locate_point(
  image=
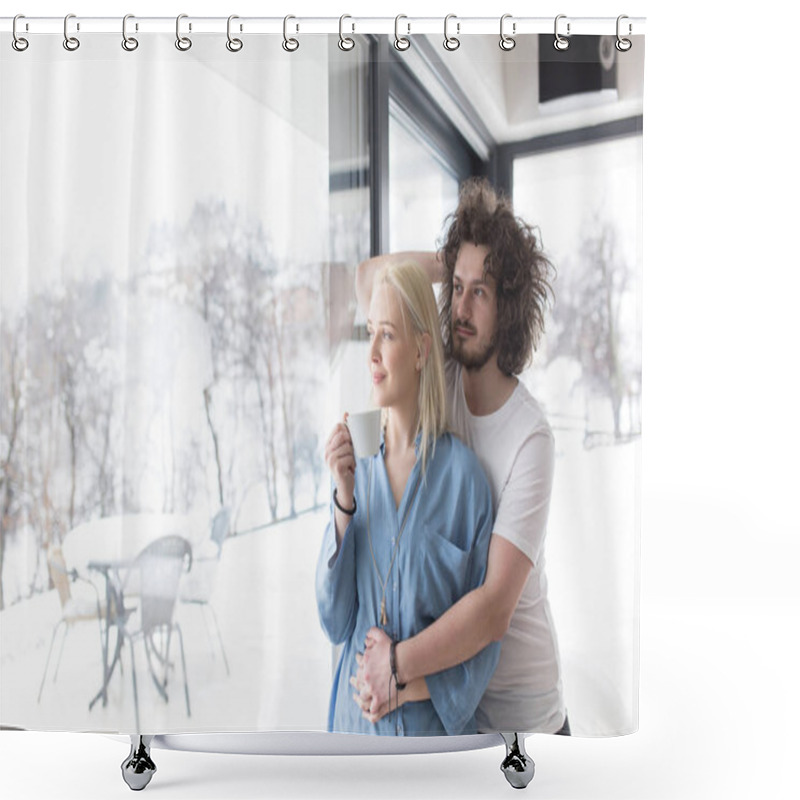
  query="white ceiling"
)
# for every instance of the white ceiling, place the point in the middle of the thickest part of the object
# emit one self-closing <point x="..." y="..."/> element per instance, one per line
<point x="503" y="88"/>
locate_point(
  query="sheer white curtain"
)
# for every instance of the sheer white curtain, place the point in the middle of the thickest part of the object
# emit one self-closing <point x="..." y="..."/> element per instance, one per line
<point x="164" y="265"/>
<point x="595" y="409"/>
<point x="180" y="232"/>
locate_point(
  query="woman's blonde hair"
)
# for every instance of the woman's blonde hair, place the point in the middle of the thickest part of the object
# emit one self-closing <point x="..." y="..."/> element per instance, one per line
<point x="418" y="305"/>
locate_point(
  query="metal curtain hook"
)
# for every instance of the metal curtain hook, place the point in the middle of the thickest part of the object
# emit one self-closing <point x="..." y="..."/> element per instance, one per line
<point x="182" y="42"/>
<point x="507" y="42"/>
<point x="18" y="42"/>
<point x="289" y="44"/>
<point x="623" y="45"/>
<point x="129" y="43"/>
<point x="345" y="42"/>
<point x="401" y="42"/>
<point x="451" y="42"/>
<point x="234" y="45"/>
<point x="560" y="43"/>
<point x="70" y="42"/>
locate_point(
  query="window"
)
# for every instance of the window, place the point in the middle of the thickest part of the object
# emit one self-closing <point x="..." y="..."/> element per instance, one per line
<point x="423" y="189"/>
<point x="593" y="340"/>
<point x="428" y="156"/>
<point x="349" y="159"/>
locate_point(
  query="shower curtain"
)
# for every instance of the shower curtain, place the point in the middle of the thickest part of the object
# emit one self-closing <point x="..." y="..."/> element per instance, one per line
<point x="181" y="230"/>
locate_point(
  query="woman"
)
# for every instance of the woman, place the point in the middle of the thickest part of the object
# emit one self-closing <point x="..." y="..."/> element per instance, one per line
<point x="410" y="526"/>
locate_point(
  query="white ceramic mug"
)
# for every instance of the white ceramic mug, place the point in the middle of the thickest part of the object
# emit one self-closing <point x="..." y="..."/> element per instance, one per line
<point x="365" y="431"/>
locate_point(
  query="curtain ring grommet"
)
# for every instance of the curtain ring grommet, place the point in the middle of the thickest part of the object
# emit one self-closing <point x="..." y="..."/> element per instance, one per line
<point x="451" y="43"/>
<point x="507" y="42"/>
<point x="129" y="43"/>
<point x="71" y="43"/>
<point x="289" y="44"/>
<point x="623" y="45"/>
<point x="19" y="43"/>
<point x="560" y="43"/>
<point x="401" y="43"/>
<point x="345" y="42"/>
<point x="183" y="43"/>
<point x="234" y="45"/>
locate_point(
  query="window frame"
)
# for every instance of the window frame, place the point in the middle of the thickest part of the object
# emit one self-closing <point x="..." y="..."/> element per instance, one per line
<point x="391" y="81"/>
<point x="504" y="155"/>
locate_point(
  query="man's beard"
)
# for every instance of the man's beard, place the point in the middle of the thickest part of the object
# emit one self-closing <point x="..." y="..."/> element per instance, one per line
<point x="471" y="361"/>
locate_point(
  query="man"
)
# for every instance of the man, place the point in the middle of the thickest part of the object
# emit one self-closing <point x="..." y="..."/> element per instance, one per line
<point x="494" y="292"/>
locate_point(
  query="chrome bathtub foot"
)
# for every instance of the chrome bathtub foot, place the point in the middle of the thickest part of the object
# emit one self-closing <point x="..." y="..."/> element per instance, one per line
<point x="517" y="766"/>
<point x="138" y="768"/>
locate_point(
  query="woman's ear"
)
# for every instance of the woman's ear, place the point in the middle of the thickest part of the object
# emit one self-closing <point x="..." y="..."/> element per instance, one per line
<point x="423" y="349"/>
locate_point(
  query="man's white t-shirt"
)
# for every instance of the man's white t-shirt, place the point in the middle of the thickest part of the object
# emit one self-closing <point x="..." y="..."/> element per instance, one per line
<point x="515" y="447"/>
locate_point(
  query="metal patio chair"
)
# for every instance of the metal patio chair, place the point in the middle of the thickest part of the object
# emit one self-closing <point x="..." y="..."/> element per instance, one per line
<point x="75" y="608"/>
<point x="155" y="576"/>
<point x="197" y="587"/>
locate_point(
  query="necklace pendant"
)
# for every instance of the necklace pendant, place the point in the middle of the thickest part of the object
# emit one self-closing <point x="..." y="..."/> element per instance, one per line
<point x="384" y="618"/>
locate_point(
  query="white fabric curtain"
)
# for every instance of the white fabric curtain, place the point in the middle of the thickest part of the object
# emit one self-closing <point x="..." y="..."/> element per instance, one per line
<point x="180" y="232"/>
<point x="164" y="259"/>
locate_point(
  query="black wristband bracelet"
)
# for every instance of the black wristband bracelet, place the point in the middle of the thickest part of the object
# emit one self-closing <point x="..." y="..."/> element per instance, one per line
<point x="393" y="666"/>
<point x="348" y="511"/>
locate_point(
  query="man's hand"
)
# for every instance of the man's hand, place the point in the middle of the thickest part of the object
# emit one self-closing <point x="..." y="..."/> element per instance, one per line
<point x="374" y="670"/>
<point x="415" y="691"/>
<point x="363" y="698"/>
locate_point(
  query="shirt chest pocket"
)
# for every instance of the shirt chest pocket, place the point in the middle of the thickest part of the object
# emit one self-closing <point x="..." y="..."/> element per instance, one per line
<point x="444" y="575"/>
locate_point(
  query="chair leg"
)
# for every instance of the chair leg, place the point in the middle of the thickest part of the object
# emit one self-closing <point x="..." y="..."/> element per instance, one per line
<point x="100" y="619"/>
<point x="203" y="607"/>
<point x="138" y="768"/>
<point x="219" y="637"/>
<point x="183" y="661"/>
<point x="166" y="662"/>
<point x="49" y="653"/>
<point x="135" y="691"/>
<point x="121" y="665"/>
<point x="151" y="650"/>
<point x="61" y="651"/>
<point x="163" y="659"/>
<point x="518" y="766"/>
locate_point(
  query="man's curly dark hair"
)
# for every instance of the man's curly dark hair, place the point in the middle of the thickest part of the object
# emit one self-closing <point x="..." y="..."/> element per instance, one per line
<point x="517" y="263"/>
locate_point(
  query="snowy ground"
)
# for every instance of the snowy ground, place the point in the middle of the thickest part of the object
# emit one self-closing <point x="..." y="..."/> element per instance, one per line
<point x="270" y="632"/>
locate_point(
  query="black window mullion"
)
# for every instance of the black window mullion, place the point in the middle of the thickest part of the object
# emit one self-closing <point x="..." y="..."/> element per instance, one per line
<point x="441" y="134"/>
<point x="379" y="146"/>
<point x="503" y="158"/>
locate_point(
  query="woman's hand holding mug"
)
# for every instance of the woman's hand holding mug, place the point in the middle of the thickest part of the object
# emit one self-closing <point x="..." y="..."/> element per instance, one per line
<point x="341" y="460"/>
